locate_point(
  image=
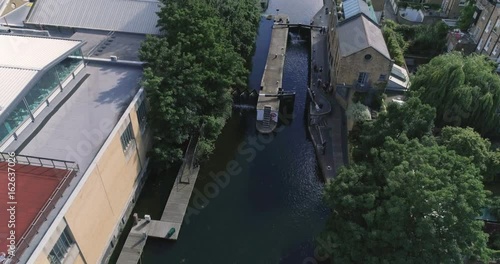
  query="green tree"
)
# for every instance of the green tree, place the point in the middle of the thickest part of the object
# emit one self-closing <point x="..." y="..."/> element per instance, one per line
<point x="468" y="143"/>
<point x="242" y="17"/>
<point x="189" y="74"/>
<point x="425" y="39"/>
<point x="465" y="91"/>
<point x="358" y="112"/>
<point x="415" y="202"/>
<point x="466" y="16"/>
<point x="412" y="119"/>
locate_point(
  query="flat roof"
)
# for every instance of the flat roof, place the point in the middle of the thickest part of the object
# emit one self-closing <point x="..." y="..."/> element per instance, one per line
<point x="78" y="124"/>
<point x="101" y="44"/>
<point x="78" y="129"/>
<point x="23" y="57"/>
<point x="132" y="16"/>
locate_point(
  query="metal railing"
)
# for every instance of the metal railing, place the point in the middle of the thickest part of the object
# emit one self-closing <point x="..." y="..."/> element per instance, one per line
<point x="42" y="162"/>
<point x="41" y="216"/>
<point x="189" y="159"/>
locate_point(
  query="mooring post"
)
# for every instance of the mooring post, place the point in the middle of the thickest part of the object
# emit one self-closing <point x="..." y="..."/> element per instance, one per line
<point x="136" y="219"/>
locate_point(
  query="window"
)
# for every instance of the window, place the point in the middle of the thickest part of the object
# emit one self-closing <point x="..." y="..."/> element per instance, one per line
<point x="142" y="115"/>
<point x="488" y="27"/>
<point x="127" y="137"/>
<point x="382" y="77"/>
<point x="487" y="46"/>
<point x="480" y="45"/>
<point x="495" y="50"/>
<point x="497" y="24"/>
<point x="362" y="78"/>
<point x="61" y="248"/>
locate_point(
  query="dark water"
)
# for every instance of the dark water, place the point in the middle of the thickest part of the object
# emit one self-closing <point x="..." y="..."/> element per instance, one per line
<point x="271" y="209"/>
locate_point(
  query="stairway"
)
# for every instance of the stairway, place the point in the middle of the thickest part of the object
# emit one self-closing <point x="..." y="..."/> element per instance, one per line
<point x="267" y="117"/>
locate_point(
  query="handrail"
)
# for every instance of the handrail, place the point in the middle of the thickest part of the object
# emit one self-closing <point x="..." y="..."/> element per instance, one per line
<point x="28" y="233"/>
<point x="42" y="162"/>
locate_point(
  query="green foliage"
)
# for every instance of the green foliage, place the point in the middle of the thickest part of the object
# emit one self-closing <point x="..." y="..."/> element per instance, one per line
<point x="466" y="16"/>
<point x="358" y="112"/>
<point x="191" y="70"/>
<point x="395" y="42"/>
<point x="464" y="90"/>
<point x="425" y="40"/>
<point x="468" y="143"/>
<point x="412" y="119"/>
<point x="411" y="202"/>
<point x="242" y="18"/>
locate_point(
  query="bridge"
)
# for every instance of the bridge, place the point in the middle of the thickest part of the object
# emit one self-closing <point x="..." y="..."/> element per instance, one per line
<point x="268" y="107"/>
<point x="288" y="25"/>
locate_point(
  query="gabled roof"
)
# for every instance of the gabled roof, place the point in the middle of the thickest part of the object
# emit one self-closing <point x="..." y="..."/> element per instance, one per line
<point x="130" y="16"/>
<point x="359" y="33"/>
<point x="353" y="7"/>
<point x="22" y="58"/>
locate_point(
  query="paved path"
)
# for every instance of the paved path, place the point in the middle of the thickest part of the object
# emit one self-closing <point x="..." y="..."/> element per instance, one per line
<point x="327" y="129"/>
<point x="273" y="74"/>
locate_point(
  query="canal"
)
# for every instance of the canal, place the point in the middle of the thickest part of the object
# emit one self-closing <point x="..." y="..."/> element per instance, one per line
<point x="271" y="210"/>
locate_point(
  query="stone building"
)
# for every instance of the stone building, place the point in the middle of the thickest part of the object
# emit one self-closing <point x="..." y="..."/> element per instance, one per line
<point x="358" y="55"/>
<point x="485" y="30"/>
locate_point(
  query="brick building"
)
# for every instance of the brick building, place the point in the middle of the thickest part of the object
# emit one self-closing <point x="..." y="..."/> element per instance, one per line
<point x="358" y="55"/>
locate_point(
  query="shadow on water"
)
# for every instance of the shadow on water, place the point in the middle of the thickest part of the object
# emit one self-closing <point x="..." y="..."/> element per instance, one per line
<point x="271" y="210"/>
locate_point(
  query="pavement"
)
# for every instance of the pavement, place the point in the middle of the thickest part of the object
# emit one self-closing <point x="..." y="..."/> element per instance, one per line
<point x="327" y="125"/>
<point x="389" y="12"/>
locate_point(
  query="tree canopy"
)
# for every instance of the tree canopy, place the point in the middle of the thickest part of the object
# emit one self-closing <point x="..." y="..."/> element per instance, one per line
<point x="468" y="143"/>
<point x="425" y="40"/>
<point x="416" y="202"/>
<point x="466" y="16"/>
<point x="410" y="196"/>
<point x="358" y="112"/>
<point x="412" y="119"/>
<point x="465" y="91"/>
<point x="191" y="69"/>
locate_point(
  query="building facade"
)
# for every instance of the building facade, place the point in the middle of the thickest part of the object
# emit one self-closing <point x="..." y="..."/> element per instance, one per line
<point x="358" y="56"/>
<point x="59" y="107"/>
<point x="485" y="30"/>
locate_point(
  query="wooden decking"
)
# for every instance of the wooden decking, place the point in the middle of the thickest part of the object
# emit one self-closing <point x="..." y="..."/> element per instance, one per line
<point x="177" y="203"/>
<point x="273" y="73"/>
<point x="173" y="214"/>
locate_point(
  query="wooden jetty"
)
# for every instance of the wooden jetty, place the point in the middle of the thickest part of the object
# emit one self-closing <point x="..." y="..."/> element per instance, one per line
<point x="268" y="103"/>
<point x="169" y="225"/>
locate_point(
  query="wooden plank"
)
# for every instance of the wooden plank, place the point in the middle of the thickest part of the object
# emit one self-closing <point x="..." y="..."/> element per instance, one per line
<point x="132" y="249"/>
<point x="273" y="72"/>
